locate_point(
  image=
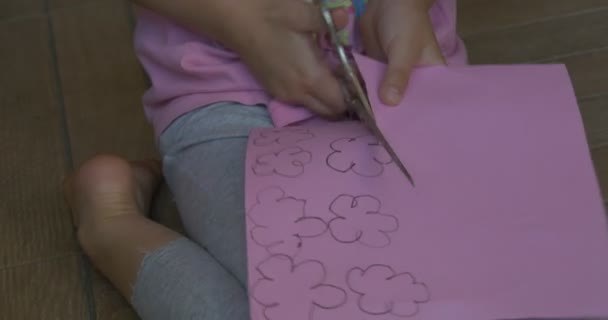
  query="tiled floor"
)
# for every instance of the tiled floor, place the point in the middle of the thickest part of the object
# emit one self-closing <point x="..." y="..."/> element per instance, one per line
<point x="70" y="87"/>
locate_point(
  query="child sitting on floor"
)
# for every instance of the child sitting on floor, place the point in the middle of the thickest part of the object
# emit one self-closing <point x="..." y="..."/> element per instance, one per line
<point x="219" y="68"/>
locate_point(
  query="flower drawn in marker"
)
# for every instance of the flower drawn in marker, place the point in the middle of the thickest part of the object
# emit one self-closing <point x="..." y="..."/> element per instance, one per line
<point x="363" y="155"/>
<point x="287" y="288"/>
<point x="359" y="220"/>
<point x="382" y="291"/>
<point x="281" y="224"/>
<point x="289" y="162"/>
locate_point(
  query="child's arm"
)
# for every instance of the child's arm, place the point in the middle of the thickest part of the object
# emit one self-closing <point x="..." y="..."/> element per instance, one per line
<point x="273" y="38"/>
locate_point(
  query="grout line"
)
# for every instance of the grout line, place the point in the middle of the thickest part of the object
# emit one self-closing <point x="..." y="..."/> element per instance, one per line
<point x="67" y="145"/>
<point x="534" y="21"/>
<point x="85" y="267"/>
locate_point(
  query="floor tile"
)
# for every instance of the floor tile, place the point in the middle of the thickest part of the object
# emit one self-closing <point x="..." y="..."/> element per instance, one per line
<point x="542" y="40"/>
<point x="102" y="81"/>
<point x="477" y="16"/>
<point x="15" y="8"/>
<point x="47" y="290"/>
<point x="589" y="72"/>
<point x="109" y="304"/>
<point x="600" y="159"/>
<point x="55" y="4"/>
<point x="34" y="222"/>
<point x="595" y="117"/>
<point x="102" y="86"/>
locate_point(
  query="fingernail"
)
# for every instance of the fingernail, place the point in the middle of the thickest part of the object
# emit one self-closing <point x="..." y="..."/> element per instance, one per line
<point x="393" y="96"/>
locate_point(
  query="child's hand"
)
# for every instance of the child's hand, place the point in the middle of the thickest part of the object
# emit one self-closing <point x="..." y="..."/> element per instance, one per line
<point x="400" y="32"/>
<point x="278" y="47"/>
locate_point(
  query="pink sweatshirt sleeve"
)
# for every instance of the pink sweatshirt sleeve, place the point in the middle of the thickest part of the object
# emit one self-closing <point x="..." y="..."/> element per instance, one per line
<point x="187" y="71"/>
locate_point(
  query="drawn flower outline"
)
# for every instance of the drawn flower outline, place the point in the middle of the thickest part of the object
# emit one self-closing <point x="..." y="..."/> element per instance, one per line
<point x="382" y="291"/>
<point x="289" y="162"/>
<point x="358" y="219"/>
<point x="280" y="223"/>
<point x="287" y="288"/>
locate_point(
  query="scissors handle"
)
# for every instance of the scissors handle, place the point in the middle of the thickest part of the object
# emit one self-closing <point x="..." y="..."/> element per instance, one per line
<point x="350" y="71"/>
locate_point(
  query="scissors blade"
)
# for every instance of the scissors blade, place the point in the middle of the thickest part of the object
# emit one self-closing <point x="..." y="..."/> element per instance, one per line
<point x="370" y="123"/>
<point x="360" y="103"/>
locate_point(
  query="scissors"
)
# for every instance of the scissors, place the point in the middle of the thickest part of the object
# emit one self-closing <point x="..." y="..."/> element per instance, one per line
<point x="356" y="97"/>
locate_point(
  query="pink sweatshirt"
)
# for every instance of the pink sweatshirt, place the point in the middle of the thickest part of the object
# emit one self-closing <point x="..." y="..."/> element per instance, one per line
<point x="188" y="71"/>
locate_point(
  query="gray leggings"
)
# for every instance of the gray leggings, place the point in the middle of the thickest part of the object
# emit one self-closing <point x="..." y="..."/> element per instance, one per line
<point x="204" y="276"/>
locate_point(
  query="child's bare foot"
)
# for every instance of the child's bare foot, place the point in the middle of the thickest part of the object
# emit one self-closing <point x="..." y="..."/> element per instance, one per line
<point x="109" y="198"/>
<point x="107" y="186"/>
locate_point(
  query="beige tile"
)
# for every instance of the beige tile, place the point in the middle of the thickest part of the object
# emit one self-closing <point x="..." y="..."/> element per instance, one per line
<point x="46" y="290"/>
<point x="542" y="40"/>
<point x="34" y="223"/>
<point x="595" y="117"/>
<point x="487" y="15"/>
<point x="102" y="81"/>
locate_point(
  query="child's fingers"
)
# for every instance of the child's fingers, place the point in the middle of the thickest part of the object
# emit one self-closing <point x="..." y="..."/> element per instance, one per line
<point x="401" y="59"/>
<point x="371" y="43"/>
<point x="405" y="52"/>
<point x="431" y="54"/>
<point x="306" y="17"/>
<point x="328" y="90"/>
<point x="340" y="16"/>
<point x="316" y="106"/>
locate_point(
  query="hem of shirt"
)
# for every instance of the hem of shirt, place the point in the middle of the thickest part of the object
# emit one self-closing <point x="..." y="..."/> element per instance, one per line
<point x="164" y="115"/>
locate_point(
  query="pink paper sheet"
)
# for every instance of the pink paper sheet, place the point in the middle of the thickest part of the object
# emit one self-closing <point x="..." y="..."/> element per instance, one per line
<point x="506" y="219"/>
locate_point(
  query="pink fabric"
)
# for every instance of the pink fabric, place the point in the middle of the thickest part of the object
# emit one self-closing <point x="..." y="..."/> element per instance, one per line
<point x="188" y="71"/>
